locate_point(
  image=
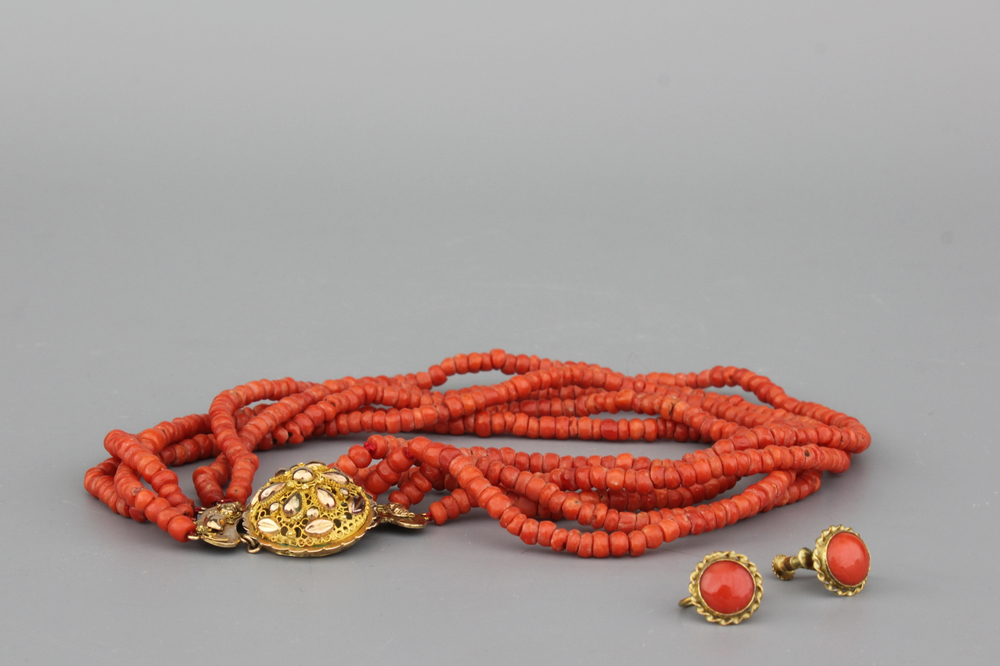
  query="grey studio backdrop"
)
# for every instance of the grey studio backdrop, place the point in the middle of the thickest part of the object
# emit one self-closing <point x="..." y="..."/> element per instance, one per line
<point x="196" y="195"/>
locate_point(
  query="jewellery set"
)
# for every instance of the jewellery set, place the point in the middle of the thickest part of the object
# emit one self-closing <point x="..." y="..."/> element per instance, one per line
<point x="726" y="588"/>
<point x="630" y="504"/>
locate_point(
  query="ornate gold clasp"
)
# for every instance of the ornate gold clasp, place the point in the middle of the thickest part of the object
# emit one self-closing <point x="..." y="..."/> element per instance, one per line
<point x="310" y="510"/>
<point x="217" y="525"/>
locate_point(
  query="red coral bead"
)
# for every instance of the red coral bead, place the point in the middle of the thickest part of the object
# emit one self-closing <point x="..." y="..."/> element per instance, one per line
<point x="726" y="587"/>
<point x="848" y="558"/>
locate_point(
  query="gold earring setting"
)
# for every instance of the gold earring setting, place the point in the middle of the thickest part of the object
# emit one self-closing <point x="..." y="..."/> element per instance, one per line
<point x="840" y="559"/>
<point x="725" y="588"/>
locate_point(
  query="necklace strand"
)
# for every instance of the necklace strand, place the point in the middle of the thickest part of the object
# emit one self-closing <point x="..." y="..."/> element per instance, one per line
<point x="631" y="503"/>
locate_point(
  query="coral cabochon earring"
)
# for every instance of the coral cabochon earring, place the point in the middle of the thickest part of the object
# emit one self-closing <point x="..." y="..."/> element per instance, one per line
<point x="840" y="559"/>
<point x="624" y="504"/>
<point x="725" y="588"/>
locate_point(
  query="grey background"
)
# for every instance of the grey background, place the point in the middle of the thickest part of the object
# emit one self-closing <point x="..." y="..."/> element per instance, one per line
<point x="193" y="196"/>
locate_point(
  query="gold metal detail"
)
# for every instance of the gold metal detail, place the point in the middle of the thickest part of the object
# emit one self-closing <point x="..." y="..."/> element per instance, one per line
<point x="397" y="514"/>
<point x="698" y="602"/>
<point x="216" y="525"/>
<point x="253" y="546"/>
<point x="784" y="567"/>
<point x="307" y="512"/>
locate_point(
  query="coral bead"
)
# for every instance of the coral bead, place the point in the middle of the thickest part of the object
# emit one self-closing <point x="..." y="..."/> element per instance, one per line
<point x="848" y="558"/>
<point x="726" y="586"/>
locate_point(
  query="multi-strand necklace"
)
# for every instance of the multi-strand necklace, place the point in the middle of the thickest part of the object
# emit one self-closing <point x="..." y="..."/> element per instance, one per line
<point x="624" y="504"/>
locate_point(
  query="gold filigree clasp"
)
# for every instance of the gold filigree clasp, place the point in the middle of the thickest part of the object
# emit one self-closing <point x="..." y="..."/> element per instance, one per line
<point x="217" y="525"/>
<point x="310" y="510"/>
<point x="397" y="514"/>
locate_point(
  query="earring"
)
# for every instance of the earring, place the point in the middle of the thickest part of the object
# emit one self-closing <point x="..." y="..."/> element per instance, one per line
<point x="725" y="588"/>
<point x="841" y="561"/>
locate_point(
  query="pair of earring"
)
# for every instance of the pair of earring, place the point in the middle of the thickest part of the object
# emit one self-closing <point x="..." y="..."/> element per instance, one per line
<point x="726" y="588"/>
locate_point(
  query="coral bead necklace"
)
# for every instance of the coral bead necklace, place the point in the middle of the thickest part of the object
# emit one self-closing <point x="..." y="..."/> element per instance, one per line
<point x="626" y="504"/>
